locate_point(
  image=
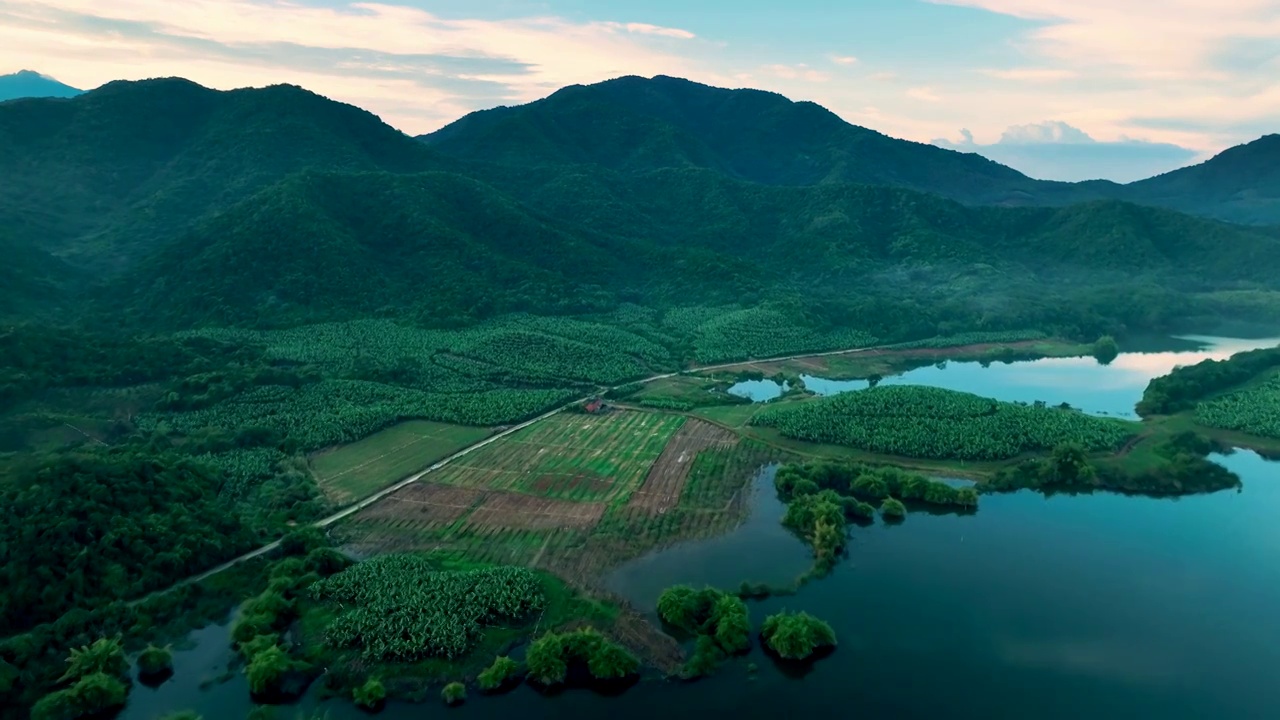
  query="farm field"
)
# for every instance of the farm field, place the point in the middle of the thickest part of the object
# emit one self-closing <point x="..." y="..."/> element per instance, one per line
<point x="574" y="495"/>
<point x="570" y="456"/>
<point x="356" y="470"/>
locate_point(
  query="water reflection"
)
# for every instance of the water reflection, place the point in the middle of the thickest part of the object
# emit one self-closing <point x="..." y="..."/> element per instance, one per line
<point x="759" y="390"/>
<point x="1111" y="390"/>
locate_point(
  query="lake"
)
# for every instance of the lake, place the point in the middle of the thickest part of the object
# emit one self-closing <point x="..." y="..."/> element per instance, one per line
<point x="1078" y="381"/>
<point x="1061" y="607"/>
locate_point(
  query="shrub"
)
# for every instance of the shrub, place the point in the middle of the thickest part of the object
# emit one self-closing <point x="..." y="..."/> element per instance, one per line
<point x="105" y="656"/>
<point x="549" y="657"/>
<point x="267" y="669"/>
<point x="371" y="694"/>
<point x="155" y="661"/>
<point x="893" y="508"/>
<point x="454" y="693"/>
<point x="796" y="636"/>
<point x="92" y="694"/>
<point x="494" y="677"/>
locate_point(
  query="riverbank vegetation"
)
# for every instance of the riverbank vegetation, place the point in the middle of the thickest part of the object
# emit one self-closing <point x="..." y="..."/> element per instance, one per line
<point x="719" y="622"/>
<point x="1186" y="387"/>
<point x="796" y="636"/>
<point x="554" y="656"/>
<point x="1176" y="465"/>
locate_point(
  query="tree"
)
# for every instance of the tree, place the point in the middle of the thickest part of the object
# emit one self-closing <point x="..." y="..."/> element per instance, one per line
<point x="1106" y="349"/>
<point x="155" y="661"/>
<point x="454" y="693"/>
<point x="1069" y="465"/>
<point x="105" y="655"/>
<point x="706" y="657"/>
<point x="610" y="661"/>
<point x="371" y="694"/>
<point x="732" y="624"/>
<point x="893" y="508"/>
<point x="967" y="497"/>
<point x="796" y="636"/>
<point x="545" y="660"/>
<point x="678" y="607"/>
<point x="266" y="670"/>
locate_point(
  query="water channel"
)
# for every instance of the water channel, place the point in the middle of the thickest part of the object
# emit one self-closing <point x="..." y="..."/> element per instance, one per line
<point x="1060" y="607"/>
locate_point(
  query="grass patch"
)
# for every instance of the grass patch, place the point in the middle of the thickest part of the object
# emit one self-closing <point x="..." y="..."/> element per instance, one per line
<point x="692" y="390"/>
<point x="353" y="471"/>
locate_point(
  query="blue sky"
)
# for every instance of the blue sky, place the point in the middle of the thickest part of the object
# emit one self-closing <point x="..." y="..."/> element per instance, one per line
<point x="1059" y="89"/>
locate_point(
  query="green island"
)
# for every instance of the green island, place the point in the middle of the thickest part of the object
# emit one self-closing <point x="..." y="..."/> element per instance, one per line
<point x="455" y="388"/>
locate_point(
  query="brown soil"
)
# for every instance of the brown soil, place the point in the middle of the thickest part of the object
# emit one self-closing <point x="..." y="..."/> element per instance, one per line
<point x="666" y="480"/>
<point x="428" y="503"/>
<point x="517" y="511"/>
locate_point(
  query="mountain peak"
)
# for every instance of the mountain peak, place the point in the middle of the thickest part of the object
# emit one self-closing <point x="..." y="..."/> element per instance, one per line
<point x="637" y="124"/>
<point x="30" y="84"/>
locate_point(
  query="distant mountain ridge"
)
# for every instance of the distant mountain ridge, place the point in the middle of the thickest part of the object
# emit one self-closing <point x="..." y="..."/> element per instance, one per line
<point x="171" y="205"/>
<point x="31" y="84"/>
<point x="634" y="124"/>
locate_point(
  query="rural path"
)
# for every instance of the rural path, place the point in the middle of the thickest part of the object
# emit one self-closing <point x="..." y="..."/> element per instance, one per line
<point x="375" y="497"/>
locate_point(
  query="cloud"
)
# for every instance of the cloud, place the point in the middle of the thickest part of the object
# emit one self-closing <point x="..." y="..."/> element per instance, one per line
<point x="416" y="69"/>
<point x="797" y="72"/>
<point x="1057" y="151"/>
<point x="843" y="59"/>
<point x="1033" y="74"/>
<point x="1175" y="39"/>
<point x="925" y="94"/>
<point x="647" y="29"/>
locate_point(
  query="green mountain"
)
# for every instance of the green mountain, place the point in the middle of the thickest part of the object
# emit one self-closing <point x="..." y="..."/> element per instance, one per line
<point x="31" y="84"/>
<point x="447" y="250"/>
<point x="101" y="177"/>
<point x="1241" y="184"/>
<point x="635" y="124"/>
<point x="275" y="206"/>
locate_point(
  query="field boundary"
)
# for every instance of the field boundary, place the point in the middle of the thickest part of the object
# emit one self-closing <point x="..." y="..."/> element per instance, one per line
<point x="359" y="505"/>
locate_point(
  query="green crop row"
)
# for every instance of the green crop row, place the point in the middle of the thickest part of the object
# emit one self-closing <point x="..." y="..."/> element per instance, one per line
<point x="1254" y="410"/>
<point x="338" y="411"/>
<point x="925" y="422"/>
<point x="399" y="608"/>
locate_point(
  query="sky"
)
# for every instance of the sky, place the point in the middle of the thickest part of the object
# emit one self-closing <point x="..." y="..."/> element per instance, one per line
<point x="1060" y="89"/>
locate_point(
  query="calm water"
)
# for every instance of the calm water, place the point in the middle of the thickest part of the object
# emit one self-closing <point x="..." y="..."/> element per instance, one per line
<point x="1079" y="381"/>
<point x="758" y="390"/>
<point x="1066" y="607"/>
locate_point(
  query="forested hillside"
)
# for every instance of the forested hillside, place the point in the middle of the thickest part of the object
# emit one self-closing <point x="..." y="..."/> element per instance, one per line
<point x="636" y="125"/>
<point x="103" y="177"/>
<point x="1241" y="184"/>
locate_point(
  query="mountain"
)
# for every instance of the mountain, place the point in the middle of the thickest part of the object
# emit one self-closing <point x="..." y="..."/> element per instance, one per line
<point x="635" y="124"/>
<point x="31" y="84"/>
<point x="1241" y="184"/>
<point x="170" y="205"/>
<point x="449" y="250"/>
<point x="99" y="178"/>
